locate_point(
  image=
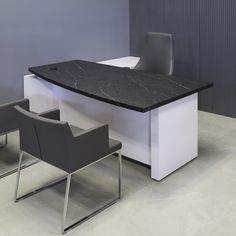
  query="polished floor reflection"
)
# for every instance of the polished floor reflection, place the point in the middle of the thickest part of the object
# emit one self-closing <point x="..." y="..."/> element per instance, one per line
<point x="197" y="200"/>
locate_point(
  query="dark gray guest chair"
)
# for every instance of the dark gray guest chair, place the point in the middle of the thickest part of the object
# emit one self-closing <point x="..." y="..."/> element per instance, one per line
<point x="8" y="123"/>
<point x="158" y="54"/>
<point x="66" y="147"/>
<point x="7" y="117"/>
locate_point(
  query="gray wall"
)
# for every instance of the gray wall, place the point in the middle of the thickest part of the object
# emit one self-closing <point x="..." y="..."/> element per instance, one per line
<point x="37" y="32"/>
<point x="205" y="43"/>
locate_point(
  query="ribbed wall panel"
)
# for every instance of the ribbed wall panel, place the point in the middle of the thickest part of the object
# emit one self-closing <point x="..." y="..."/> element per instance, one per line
<point x="218" y="53"/>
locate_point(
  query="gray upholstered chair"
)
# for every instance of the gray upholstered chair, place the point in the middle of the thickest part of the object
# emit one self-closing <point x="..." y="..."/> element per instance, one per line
<point x="66" y="147"/>
<point x="8" y="123"/>
<point x="7" y="117"/>
<point x="157" y="56"/>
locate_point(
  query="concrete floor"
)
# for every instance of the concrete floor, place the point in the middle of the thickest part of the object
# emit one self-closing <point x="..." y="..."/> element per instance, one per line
<point x="197" y="200"/>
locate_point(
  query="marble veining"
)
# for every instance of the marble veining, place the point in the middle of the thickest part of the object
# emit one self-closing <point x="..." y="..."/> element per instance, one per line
<point x="122" y="87"/>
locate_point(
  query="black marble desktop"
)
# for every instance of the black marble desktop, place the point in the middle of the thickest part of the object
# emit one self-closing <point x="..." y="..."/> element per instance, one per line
<point x="122" y="87"/>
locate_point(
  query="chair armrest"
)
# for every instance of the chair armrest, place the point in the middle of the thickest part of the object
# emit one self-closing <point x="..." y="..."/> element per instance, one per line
<point x="96" y="136"/>
<point x="24" y="103"/>
<point x="89" y="146"/>
<point x="53" y="114"/>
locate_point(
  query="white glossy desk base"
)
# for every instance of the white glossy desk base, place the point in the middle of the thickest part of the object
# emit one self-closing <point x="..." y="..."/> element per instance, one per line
<point x="165" y="138"/>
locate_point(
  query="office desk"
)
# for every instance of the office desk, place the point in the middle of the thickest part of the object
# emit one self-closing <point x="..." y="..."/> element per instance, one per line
<point x="155" y="117"/>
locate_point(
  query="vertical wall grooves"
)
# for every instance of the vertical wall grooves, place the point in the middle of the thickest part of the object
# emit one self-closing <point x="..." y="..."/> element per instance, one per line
<point x="205" y="43"/>
<point x="218" y="52"/>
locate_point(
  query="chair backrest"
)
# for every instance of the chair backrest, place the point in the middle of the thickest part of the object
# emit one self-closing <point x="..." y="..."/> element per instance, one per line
<point x="8" y="120"/>
<point x="157" y="56"/>
<point x="44" y="138"/>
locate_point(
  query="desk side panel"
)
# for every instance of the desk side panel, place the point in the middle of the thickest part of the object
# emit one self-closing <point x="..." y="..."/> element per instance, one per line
<point x="174" y="136"/>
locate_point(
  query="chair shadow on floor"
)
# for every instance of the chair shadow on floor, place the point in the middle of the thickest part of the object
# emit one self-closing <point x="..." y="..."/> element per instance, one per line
<point x="9" y="156"/>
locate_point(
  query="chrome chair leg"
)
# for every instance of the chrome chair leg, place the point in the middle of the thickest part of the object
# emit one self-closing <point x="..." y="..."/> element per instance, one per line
<point x="18" y="176"/>
<point x="65" y="229"/>
<point x="20" y="167"/>
<point x="69" y="228"/>
<point x="6" y="141"/>
<point x="120" y="173"/>
<point x="51" y="184"/>
<point x="66" y="203"/>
